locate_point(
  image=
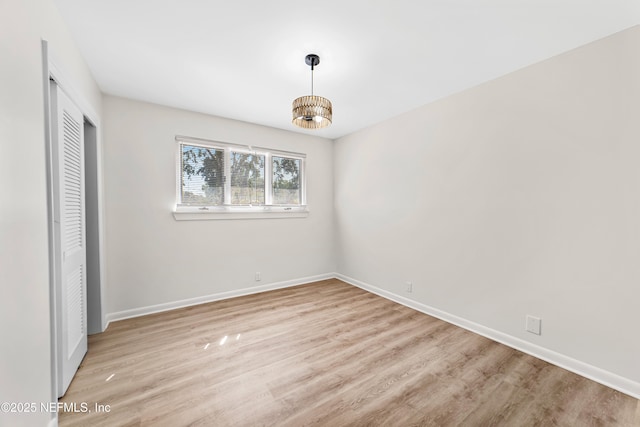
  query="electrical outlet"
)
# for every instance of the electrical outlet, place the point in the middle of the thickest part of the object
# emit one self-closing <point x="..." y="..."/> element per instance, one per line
<point x="409" y="287"/>
<point x="534" y="325"/>
<point x="258" y="276"/>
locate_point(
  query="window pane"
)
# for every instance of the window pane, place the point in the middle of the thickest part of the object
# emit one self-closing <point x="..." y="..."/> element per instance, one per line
<point x="247" y="179"/>
<point x="202" y="175"/>
<point x="286" y="181"/>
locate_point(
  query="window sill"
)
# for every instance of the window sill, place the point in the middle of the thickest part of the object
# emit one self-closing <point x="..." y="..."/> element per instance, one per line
<point x="195" y="214"/>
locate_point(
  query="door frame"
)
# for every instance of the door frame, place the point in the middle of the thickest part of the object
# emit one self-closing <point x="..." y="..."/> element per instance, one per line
<point x="52" y="71"/>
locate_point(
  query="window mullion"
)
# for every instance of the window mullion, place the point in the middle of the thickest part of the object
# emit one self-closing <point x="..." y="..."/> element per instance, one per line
<point x="268" y="175"/>
<point x="227" y="176"/>
<point x="180" y="175"/>
<point x="303" y="182"/>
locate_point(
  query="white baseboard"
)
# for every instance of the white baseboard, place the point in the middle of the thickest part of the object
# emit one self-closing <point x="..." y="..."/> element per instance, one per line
<point x="142" y="311"/>
<point x="591" y="372"/>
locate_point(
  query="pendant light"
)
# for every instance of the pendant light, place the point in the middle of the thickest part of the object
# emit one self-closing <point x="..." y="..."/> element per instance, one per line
<point x="311" y="111"/>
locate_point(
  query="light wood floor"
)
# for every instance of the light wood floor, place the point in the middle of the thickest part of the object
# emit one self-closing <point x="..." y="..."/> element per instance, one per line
<point x="324" y="354"/>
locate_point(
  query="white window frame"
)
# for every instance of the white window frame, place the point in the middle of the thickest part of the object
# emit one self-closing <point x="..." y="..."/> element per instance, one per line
<point x="184" y="212"/>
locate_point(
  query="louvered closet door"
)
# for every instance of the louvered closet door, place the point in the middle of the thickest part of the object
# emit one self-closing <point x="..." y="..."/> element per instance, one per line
<point x="69" y="224"/>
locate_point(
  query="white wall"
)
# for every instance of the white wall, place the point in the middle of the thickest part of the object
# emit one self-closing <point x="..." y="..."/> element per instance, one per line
<point x="25" y="365"/>
<point x="154" y="259"/>
<point x="520" y="196"/>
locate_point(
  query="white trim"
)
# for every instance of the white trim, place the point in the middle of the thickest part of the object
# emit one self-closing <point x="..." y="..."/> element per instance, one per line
<point x="66" y="83"/>
<point x="143" y="311"/>
<point x="202" y="142"/>
<point x="591" y="372"/>
<point x="46" y="75"/>
<point x="52" y="70"/>
<point x="190" y="212"/>
<point x="269" y="212"/>
<point x="583" y="369"/>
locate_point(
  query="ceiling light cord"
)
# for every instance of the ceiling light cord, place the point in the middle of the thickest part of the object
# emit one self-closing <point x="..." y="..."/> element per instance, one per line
<point x="313" y="62"/>
<point x="311" y="79"/>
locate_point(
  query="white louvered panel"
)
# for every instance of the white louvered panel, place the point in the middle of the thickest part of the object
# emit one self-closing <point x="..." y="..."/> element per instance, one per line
<point x="72" y="184"/>
<point x="71" y="273"/>
<point x="75" y="309"/>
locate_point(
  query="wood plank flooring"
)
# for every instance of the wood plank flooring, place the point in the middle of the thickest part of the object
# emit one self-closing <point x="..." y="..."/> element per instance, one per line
<point x="325" y="354"/>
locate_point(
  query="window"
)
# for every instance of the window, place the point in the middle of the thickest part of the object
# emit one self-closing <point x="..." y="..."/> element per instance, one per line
<point x="247" y="179"/>
<point x="286" y="180"/>
<point x="215" y="177"/>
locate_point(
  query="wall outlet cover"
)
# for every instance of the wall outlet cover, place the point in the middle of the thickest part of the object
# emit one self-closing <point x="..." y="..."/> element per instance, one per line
<point x="534" y="325"/>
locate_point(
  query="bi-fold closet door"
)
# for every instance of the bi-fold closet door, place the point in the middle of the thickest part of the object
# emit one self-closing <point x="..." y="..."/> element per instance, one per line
<point x="69" y="247"/>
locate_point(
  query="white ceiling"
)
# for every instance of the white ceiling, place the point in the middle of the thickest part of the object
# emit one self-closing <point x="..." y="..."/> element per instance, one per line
<point x="244" y="59"/>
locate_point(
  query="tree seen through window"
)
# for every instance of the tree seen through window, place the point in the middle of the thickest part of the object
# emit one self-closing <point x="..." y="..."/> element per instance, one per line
<point x="204" y="183"/>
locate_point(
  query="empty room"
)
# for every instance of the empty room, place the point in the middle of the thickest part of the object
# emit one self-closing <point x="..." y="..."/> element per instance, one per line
<point x="355" y="213"/>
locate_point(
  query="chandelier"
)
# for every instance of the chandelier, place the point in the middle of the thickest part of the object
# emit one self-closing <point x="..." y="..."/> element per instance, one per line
<point x="311" y="111"/>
